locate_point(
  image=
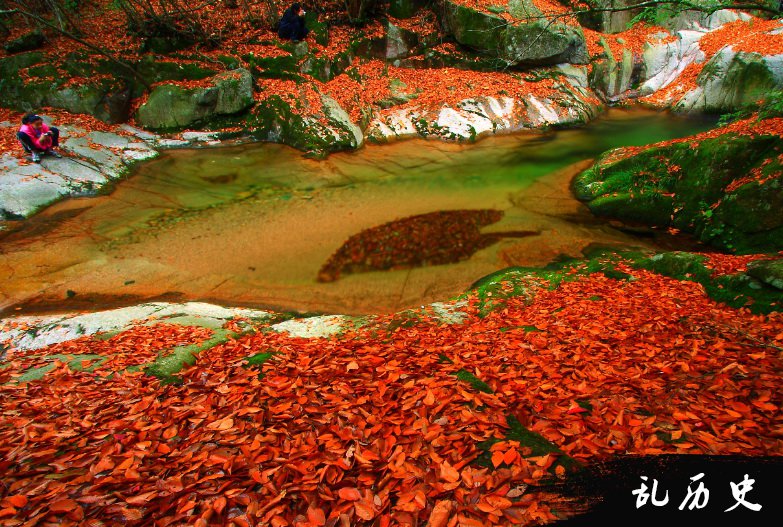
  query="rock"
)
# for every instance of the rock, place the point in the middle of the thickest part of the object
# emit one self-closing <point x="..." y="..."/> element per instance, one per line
<point x="174" y="107"/>
<point x="768" y="271"/>
<point x="396" y="43"/>
<point x="26" y="189"/>
<point x="403" y="8"/>
<point x="664" y="62"/>
<point x="610" y="21"/>
<point x="167" y="44"/>
<point x="314" y="327"/>
<point x="677" y="264"/>
<point x="90" y="162"/>
<point x="675" y="20"/>
<point x="610" y="77"/>
<point x="107" y="99"/>
<point x="27" y="42"/>
<point x="317" y="131"/>
<point x="528" y="40"/>
<point x="704" y="190"/>
<point x="54" y="329"/>
<point x="480" y="116"/>
<point x="732" y="81"/>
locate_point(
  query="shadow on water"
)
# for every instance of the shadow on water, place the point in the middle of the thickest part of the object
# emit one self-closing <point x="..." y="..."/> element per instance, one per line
<point x="254" y="224"/>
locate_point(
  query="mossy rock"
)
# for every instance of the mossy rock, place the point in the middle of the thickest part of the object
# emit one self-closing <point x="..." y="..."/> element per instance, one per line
<point x="27" y="42"/>
<point x="529" y="40"/>
<point x="732" y="81"/>
<point x="165" y="45"/>
<point x="703" y="190"/>
<point x="404" y="8"/>
<point x="678" y="265"/>
<point x="316" y="131"/>
<point x="172" y="107"/>
<point x="319" y="31"/>
<point x="768" y="271"/>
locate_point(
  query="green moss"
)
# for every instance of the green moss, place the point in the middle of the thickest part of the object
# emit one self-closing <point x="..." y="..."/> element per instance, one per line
<point x="694" y="190"/>
<point x="169" y="363"/>
<point x="535" y="445"/>
<point x="74" y="362"/>
<point x="475" y="382"/>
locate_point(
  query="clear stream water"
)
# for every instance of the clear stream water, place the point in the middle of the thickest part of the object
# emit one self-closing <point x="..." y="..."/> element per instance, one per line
<point x="253" y="224"/>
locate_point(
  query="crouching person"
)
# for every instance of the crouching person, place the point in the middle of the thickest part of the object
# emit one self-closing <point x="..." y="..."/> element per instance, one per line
<point x="37" y="138"/>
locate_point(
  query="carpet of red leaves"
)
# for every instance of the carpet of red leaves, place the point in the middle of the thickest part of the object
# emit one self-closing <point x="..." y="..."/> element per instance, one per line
<point x="372" y="428"/>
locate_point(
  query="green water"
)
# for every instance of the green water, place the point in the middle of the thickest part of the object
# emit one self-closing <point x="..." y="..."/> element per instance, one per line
<point x="253" y="224"/>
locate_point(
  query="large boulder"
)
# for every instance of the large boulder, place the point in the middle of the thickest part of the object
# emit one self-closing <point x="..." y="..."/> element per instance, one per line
<point x="726" y="190"/>
<point x="404" y="8"/>
<point x="768" y="271"/>
<point x="732" y="81"/>
<point x="611" y="76"/>
<point x="170" y="106"/>
<point x="662" y="63"/>
<point x="314" y="130"/>
<point x="395" y="43"/>
<point x="607" y="21"/>
<point x="470" y="119"/>
<point x="530" y="39"/>
<point x="107" y="98"/>
<point x="27" y="42"/>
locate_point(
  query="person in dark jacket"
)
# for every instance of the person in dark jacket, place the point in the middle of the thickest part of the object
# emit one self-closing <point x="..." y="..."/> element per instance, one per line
<point x="37" y="138"/>
<point x="292" y="23"/>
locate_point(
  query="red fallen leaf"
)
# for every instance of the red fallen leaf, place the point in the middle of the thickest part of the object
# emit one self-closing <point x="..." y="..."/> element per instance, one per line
<point x="141" y="499"/>
<point x="576" y="409"/>
<point x="17" y="500"/>
<point x="510" y="456"/>
<point x="315" y="515"/>
<point x="499" y="502"/>
<point x="223" y="424"/>
<point x="448" y="473"/>
<point x="219" y="504"/>
<point x="364" y="510"/>
<point x="170" y="432"/>
<point x="63" y="506"/>
<point x="441" y="512"/>
<point x="10" y="511"/>
<point x="497" y="458"/>
<point x="349" y="494"/>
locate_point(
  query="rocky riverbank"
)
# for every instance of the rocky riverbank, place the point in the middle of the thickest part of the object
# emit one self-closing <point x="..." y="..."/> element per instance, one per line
<point x="421" y="76"/>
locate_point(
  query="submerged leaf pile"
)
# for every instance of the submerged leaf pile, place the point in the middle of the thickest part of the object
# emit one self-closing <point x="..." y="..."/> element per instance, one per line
<point x="426" y="239"/>
<point x="378" y="427"/>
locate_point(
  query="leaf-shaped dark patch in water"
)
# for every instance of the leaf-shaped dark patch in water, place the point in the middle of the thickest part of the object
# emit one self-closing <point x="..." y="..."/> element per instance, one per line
<point x="435" y="238"/>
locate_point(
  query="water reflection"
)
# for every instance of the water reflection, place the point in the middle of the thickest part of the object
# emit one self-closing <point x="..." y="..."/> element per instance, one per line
<point x="253" y="224"/>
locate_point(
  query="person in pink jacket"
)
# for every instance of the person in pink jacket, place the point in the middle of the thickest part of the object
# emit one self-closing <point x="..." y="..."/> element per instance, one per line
<point x="37" y="138"/>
